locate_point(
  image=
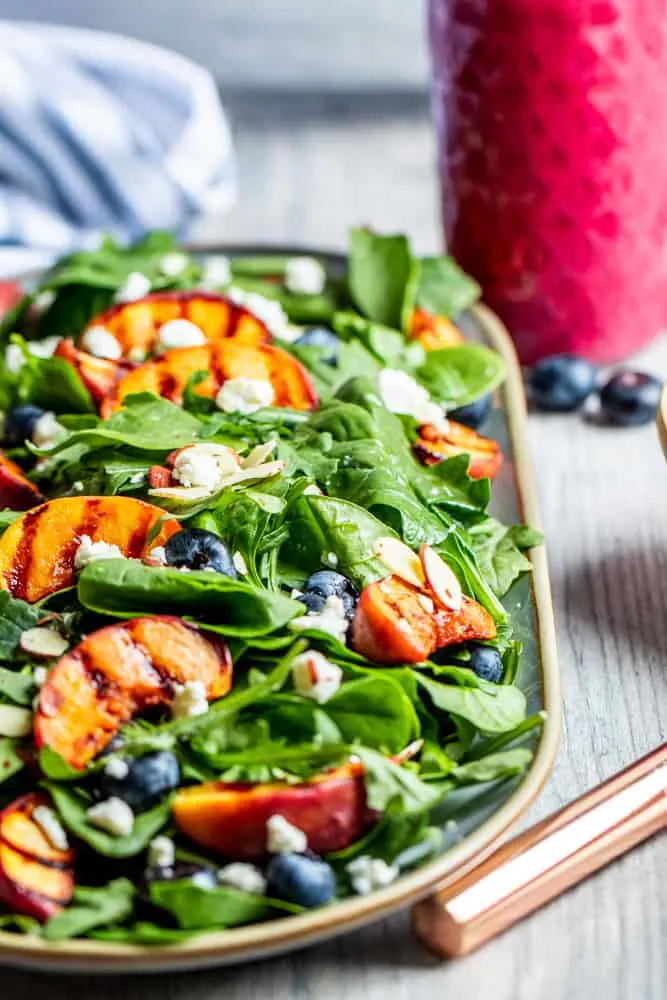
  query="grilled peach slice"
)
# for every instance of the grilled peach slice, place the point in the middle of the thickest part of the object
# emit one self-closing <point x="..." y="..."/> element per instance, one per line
<point x="36" y="878"/>
<point x="136" y="325"/>
<point x="230" y="819"/>
<point x="398" y="623"/>
<point x="37" y="551"/>
<point x="16" y="492"/>
<point x="168" y="375"/>
<point x="119" y="671"/>
<point x="99" y="375"/>
<point x="433" y="332"/>
<point x="432" y="445"/>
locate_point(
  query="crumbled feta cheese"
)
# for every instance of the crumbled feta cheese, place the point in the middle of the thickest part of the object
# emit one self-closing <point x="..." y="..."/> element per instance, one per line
<point x="89" y="552"/>
<point x="159" y="554"/>
<point x="15" y="722"/>
<point x="48" y="822"/>
<point x="43" y="300"/>
<point x="331" y="619"/>
<point x="331" y="559"/>
<point x="117" y="768"/>
<point x="161" y="852"/>
<point x="137" y="478"/>
<point x="312" y="491"/>
<point x="268" y="311"/>
<point x="47" y="431"/>
<point x="216" y="272"/>
<point x="45" y="348"/>
<point x="135" y="286"/>
<point x="189" y="699"/>
<point x="204" y="465"/>
<point x="239" y="564"/>
<point x="284" y="838"/>
<point x="368" y="874"/>
<point x="113" y="815"/>
<point x="315" y="676"/>
<point x="39" y="676"/>
<point x="244" y="395"/>
<point x="179" y="333"/>
<point x="97" y="340"/>
<point x="173" y="264"/>
<point x="77" y="486"/>
<point x="243" y="876"/>
<point x="402" y="394"/>
<point x="305" y="276"/>
<point x="203" y="880"/>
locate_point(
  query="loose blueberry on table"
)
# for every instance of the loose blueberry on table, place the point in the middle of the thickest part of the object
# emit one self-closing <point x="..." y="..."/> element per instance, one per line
<point x="562" y="383"/>
<point x="630" y="399"/>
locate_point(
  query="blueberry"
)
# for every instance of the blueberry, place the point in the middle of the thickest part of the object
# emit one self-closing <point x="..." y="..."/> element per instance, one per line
<point x="196" y="548"/>
<point x="328" y="583"/>
<point x="148" y="779"/>
<point x="561" y="383"/>
<point x="314" y="602"/>
<point x="302" y="879"/>
<point x="20" y="423"/>
<point x="473" y="414"/>
<point x="323" y="338"/>
<point x="630" y="398"/>
<point x="486" y="662"/>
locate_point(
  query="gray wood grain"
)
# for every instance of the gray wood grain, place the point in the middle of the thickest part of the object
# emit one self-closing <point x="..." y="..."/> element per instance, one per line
<point x="604" y="502"/>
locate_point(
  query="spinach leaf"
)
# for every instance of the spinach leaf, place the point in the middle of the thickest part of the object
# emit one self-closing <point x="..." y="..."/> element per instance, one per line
<point x="458" y="375"/>
<point x="91" y="908"/>
<point x="490" y="708"/>
<point x="10" y="760"/>
<point x="376" y="712"/>
<point x="124" y="588"/>
<point x="378" y="272"/>
<point x="498" y="550"/>
<point x="15" y="617"/>
<point x="53" y="384"/>
<point x="72" y="810"/>
<point x="443" y="288"/>
<point x="145" y="423"/>
<point x="17" y="687"/>
<point x="142" y="932"/>
<point x="193" y="907"/>
<point x="387" y="782"/>
<point x="386" y="344"/>
<point x="495" y="767"/>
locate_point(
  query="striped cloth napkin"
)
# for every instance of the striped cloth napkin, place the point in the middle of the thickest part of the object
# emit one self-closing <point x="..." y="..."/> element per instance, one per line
<point x="102" y="134"/>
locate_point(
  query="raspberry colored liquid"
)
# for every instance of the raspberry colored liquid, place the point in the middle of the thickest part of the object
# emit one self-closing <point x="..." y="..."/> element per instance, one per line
<point x="552" y="129"/>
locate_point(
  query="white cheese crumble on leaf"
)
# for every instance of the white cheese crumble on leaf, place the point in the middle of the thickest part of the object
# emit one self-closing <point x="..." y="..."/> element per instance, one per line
<point x="189" y="699"/>
<point x="161" y="852"/>
<point x="400" y="393"/>
<point x="113" y="815"/>
<point x="179" y="333"/>
<point x="45" y="348"/>
<point x="331" y="619"/>
<point x="135" y="286"/>
<point x="47" y="431"/>
<point x="117" y="768"/>
<point x="204" y="466"/>
<point x="315" y="676"/>
<point x="244" y="395"/>
<point x="305" y="276"/>
<point x="284" y="838"/>
<point x="243" y="876"/>
<point x="268" y="311"/>
<point x="368" y="874"/>
<point x="89" y="552"/>
<point x="216" y="273"/>
<point x="48" y="822"/>
<point x="173" y="264"/>
<point x="100" y="342"/>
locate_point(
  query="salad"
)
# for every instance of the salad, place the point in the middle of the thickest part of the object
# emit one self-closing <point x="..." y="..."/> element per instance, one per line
<point x="252" y="634"/>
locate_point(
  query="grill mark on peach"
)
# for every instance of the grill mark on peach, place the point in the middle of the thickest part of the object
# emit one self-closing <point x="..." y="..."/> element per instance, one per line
<point x="137" y="541"/>
<point x="23" y="557"/>
<point x="168" y="384"/>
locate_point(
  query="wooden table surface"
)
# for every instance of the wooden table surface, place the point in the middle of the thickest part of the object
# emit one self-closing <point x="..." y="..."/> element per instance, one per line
<point x="310" y="169"/>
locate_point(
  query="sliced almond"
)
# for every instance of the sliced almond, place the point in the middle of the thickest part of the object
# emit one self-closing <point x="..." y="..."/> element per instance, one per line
<point x="258" y="472"/>
<point x="185" y="493"/>
<point x="442" y="580"/>
<point x="400" y="560"/>
<point x="44" y="643"/>
<point x="258" y="455"/>
<point x="14" y="721"/>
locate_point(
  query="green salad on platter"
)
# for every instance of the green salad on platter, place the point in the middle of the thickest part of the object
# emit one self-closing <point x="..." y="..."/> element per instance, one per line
<point x="252" y="628"/>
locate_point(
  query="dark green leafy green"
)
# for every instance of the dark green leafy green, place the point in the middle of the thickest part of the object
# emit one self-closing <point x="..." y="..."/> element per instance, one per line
<point x="193" y="907"/>
<point x="490" y="708"/>
<point x="16" y="687"/>
<point x="442" y="288"/>
<point x="455" y="376"/>
<point x="15" y="617"/>
<point x="11" y="761"/>
<point x="91" y="908"/>
<point x="378" y="272"/>
<point x="499" y="552"/>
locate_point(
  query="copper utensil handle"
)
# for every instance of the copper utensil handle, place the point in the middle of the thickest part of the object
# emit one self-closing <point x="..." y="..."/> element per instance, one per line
<point x="551" y="856"/>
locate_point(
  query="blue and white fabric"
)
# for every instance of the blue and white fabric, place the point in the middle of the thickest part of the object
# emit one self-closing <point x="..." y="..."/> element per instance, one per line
<point x="100" y="133"/>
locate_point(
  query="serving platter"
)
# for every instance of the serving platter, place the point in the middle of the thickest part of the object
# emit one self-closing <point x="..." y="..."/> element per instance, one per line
<point x="469" y="833"/>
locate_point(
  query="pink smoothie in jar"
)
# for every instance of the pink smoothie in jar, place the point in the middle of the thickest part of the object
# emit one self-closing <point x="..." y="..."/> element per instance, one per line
<point x="552" y="131"/>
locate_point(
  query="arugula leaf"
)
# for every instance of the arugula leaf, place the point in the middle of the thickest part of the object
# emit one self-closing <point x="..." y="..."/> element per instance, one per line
<point x="455" y="376"/>
<point x="378" y="272"/>
<point x="193" y="907"/>
<point x="124" y="588"/>
<point x="15" y="618"/>
<point x="443" y="288"/>
<point x="72" y="810"/>
<point x="10" y="760"/>
<point x="91" y="908"/>
<point x="490" y="708"/>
